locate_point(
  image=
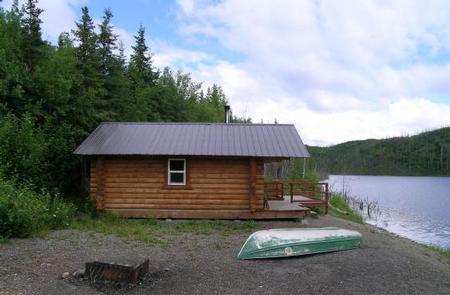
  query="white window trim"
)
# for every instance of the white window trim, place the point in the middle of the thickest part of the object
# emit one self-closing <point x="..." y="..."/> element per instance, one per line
<point x="177" y="171"/>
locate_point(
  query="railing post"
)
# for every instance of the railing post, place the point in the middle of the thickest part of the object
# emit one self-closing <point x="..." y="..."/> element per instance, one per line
<point x="327" y="197"/>
<point x="281" y="189"/>
<point x="291" y="187"/>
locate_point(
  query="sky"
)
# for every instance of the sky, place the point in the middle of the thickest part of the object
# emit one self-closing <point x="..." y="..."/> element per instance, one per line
<point x="338" y="70"/>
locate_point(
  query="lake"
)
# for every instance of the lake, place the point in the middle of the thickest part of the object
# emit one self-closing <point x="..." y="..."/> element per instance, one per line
<point x="417" y="208"/>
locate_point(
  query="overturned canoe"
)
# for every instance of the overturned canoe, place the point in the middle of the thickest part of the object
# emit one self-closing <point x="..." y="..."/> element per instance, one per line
<point x="286" y="242"/>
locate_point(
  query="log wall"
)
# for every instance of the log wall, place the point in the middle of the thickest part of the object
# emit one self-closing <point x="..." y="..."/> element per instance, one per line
<point x="212" y="184"/>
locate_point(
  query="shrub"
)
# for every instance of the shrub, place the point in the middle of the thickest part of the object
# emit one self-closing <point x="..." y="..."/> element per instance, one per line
<point x="24" y="212"/>
<point x="23" y="151"/>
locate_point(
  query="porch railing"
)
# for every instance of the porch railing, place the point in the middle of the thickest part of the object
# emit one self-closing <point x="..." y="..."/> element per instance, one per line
<point x="306" y="193"/>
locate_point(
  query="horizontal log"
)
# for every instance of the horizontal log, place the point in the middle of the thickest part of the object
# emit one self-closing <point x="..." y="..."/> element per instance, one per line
<point x="152" y="193"/>
<point x="134" y="179"/>
<point x="223" y="198"/>
<point x="218" y="175"/>
<point x="174" y="206"/>
<point x="220" y="185"/>
<point x="218" y="169"/>
<point x="136" y="170"/>
<point x="194" y="180"/>
<point x="209" y="162"/>
<point x="145" y="174"/>
<point x="176" y="201"/>
<point x="173" y="192"/>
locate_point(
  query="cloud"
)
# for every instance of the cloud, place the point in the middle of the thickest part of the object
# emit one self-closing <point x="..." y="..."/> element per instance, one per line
<point x="340" y="70"/>
<point x="58" y="16"/>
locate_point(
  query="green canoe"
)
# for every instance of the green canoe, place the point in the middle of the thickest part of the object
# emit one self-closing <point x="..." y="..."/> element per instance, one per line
<point x="285" y="242"/>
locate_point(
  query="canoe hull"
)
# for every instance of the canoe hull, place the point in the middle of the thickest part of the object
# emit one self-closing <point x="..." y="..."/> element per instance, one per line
<point x="279" y="243"/>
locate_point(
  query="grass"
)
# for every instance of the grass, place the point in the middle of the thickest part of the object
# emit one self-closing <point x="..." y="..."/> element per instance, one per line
<point x="154" y="231"/>
<point x="337" y="201"/>
<point x="439" y="250"/>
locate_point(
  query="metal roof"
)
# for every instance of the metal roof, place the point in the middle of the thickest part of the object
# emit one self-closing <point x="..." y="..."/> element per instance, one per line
<point x="194" y="139"/>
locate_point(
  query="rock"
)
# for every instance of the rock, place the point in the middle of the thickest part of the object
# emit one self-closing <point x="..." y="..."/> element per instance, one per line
<point x="78" y="274"/>
<point x="166" y="269"/>
<point x="65" y="275"/>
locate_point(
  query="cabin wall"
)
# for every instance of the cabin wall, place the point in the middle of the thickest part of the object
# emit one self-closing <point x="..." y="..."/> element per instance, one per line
<point x="212" y="184"/>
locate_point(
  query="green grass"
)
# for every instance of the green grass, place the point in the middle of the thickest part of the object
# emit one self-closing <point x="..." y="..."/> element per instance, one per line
<point x="437" y="249"/>
<point x="154" y="231"/>
<point x="337" y="201"/>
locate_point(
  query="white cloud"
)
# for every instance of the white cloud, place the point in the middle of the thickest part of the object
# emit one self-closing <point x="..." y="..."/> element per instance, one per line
<point x="58" y="16"/>
<point x="340" y="70"/>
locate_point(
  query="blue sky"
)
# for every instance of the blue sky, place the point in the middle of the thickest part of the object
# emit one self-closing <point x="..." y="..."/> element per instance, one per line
<point x="339" y="70"/>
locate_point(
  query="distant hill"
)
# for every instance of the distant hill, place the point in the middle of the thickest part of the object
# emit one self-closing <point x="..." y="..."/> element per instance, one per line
<point x="427" y="153"/>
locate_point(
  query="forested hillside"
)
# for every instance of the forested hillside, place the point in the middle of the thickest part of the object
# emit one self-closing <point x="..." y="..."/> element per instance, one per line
<point x="53" y="95"/>
<point x="427" y="153"/>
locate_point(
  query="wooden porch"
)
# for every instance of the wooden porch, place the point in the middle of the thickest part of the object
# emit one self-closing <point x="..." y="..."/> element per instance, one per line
<point x="286" y="195"/>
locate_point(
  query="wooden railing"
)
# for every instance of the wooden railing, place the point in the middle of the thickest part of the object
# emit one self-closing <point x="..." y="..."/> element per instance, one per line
<point x="317" y="193"/>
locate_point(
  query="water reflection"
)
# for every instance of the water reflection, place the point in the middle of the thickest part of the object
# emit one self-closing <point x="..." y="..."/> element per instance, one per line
<point x="412" y="207"/>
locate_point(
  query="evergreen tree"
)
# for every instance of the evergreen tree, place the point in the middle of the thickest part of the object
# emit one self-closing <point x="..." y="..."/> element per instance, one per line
<point x="113" y="67"/>
<point x="143" y="80"/>
<point x="12" y="68"/>
<point x="90" y="107"/>
<point x="140" y="68"/>
<point x="31" y="25"/>
<point x="106" y="42"/>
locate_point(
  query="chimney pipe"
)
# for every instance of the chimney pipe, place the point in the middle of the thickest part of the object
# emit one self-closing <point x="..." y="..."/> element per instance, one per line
<point x="227" y="114"/>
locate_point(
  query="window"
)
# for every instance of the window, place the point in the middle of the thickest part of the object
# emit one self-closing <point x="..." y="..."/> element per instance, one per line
<point x="177" y="172"/>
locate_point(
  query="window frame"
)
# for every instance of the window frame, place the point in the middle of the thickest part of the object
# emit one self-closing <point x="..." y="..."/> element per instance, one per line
<point x="184" y="171"/>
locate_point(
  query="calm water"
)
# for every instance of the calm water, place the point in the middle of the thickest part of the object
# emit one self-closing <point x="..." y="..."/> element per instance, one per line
<point x="414" y="207"/>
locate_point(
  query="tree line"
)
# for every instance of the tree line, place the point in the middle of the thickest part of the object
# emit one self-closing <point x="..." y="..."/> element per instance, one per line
<point x="53" y="95"/>
<point x="427" y="153"/>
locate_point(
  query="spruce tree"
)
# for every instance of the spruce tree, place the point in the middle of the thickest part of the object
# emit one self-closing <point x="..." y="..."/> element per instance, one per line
<point x="140" y="68"/>
<point x="89" y="97"/>
<point x="106" y="42"/>
<point x="31" y="24"/>
<point x="143" y="81"/>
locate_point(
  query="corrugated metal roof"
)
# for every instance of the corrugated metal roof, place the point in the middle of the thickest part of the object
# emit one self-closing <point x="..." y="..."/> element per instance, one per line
<point x="194" y="139"/>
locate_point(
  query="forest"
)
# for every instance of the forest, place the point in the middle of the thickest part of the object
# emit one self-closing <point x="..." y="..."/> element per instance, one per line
<point x="53" y="95"/>
<point x="424" y="154"/>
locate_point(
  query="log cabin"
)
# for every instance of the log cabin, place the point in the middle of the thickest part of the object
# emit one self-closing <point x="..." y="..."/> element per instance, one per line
<point x="188" y="170"/>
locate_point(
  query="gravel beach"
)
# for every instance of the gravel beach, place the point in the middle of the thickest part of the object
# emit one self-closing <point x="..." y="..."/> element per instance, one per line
<point x="207" y="264"/>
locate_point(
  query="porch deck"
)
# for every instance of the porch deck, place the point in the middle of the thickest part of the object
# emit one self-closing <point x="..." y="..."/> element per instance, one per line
<point x="300" y="194"/>
<point x="286" y="205"/>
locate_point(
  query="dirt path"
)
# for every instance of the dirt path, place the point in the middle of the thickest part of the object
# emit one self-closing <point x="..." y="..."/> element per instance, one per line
<point x="198" y="264"/>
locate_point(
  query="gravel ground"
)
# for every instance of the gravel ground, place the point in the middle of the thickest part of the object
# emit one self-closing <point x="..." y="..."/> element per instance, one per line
<point x="199" y="264"/>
